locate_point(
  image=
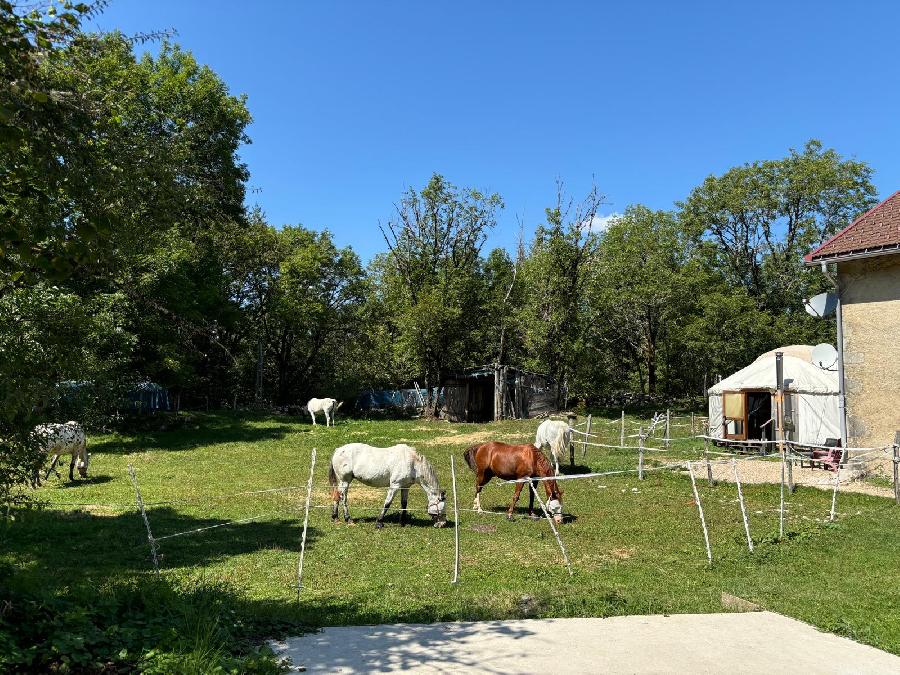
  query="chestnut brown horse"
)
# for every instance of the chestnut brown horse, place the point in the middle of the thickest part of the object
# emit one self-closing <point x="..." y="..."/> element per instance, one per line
<point x="511" y="462"/>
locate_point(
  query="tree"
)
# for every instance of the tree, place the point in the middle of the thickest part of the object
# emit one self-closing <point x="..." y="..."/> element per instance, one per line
<point x="433" y="275"/>
<point x="644" y="282"/>
<point x="559" y="264"/>
<point x="760" y="218"/>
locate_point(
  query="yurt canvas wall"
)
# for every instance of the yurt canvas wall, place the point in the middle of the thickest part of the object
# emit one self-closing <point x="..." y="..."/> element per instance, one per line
<point x="811" y="401"/>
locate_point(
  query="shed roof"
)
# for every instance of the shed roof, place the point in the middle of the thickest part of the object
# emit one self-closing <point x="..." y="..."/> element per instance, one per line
<point x="876" y="232"/>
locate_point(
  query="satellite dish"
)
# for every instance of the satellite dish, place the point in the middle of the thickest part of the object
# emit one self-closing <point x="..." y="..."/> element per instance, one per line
<point x="824" y="356"/>
<point x="821" y="305"/>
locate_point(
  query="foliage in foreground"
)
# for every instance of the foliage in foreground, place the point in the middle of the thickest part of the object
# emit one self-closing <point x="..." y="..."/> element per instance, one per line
<point x="153" y="627"/>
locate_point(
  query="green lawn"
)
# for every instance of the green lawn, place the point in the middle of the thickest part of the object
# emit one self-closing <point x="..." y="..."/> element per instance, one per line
<point x="636" y="547"/>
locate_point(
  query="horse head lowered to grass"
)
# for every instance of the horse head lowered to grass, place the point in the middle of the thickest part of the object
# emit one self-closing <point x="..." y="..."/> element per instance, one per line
<point x="513" y="462"/>
<point x="394" y="468"/>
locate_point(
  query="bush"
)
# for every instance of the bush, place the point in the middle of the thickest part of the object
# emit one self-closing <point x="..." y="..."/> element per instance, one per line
<point x="154" y="628"/>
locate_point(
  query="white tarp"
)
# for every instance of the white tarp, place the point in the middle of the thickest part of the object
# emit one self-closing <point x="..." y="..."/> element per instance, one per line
<point x="815" y="395"/>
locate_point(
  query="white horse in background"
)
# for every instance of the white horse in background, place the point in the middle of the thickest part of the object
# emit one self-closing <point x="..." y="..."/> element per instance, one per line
<point x="556" y="435"/>
<point x="394" y="468"/>
<point x="58" y="440"/>
<point x="329" y="406"/>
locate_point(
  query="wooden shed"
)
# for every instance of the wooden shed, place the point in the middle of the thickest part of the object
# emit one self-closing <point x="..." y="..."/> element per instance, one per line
<point x="496" y="392"/>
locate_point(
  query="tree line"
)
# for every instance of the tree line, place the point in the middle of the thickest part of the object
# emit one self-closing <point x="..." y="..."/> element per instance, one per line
<point x="128" y="254"/>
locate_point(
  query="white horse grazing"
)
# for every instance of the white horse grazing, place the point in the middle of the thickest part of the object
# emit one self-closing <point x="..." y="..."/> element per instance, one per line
<point x="395" y="468"/>
<point x="62" y="439"/>
<point x="555" y="434"/>
<point x="329" y="406"/>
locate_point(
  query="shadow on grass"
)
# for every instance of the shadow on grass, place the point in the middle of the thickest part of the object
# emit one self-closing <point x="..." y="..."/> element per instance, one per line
<point x="208" y="430"/>
<point x="109" y="546"/>
<point x="64" y="483"/>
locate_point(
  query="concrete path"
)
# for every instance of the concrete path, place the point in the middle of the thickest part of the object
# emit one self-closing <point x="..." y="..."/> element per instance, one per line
<point x="753" y="642"/>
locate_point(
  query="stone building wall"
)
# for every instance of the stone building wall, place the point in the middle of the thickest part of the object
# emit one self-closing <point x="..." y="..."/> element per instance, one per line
<point x="871" y="309"/>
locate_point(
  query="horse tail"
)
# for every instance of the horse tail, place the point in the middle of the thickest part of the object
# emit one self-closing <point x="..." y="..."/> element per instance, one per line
<point x="558" y="446"/>
<point x="469" y="456"/>
<point x="339" y="404"/>
<point x="333" y="481"/>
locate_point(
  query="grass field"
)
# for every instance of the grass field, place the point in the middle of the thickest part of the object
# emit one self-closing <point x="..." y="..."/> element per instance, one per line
<point x="636" y="546"/>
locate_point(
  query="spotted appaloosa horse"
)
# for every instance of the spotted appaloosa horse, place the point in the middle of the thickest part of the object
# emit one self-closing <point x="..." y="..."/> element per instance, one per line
<point x="62" y="439"/>
<point x="511" y="462"/>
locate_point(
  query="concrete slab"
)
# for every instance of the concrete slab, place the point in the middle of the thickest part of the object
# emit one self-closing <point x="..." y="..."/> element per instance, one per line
<point x="683" y="643"/>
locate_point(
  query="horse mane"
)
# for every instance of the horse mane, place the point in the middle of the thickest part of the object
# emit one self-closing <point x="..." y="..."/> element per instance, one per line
<point x="426" y="470"/>
<point x="543" y="464"/>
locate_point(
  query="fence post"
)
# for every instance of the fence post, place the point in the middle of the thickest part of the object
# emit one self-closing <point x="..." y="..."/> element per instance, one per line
<point x="737" y="480"/>
<point x="622" y="430"/>
<point x="692" y="424"/>
<point x="668" y="426"/>
<point x="585" y="437"/>
<point x="140" y="505"/>
<point x="781" y="504"/>
<point x="641" y="454"/>
<point x="455" y="522"/>
<point x="896" y="466"/>
<point x="309" y="485"/>
<point x="700" y="509"/>
<point x="837" y="481"/>
<point x="552" y="526"/>
<point x="709" y="476"/>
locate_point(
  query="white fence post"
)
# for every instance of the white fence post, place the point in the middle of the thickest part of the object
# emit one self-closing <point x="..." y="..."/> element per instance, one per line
<point x="140" y="505"/>
<point x="700" y="509"/>
<point x="781" y="504"/>
<point x="622" y="430"/>
<point x="668" y="426"/>
<point x="455" y="522"/>
<point x="737" y="480"/>
<point x="552" y="527"/>
<point x="585" y="437"/>
<point x="309" y="485"/>
<point x="641" y="454"/>
<point x="837" y="481"/>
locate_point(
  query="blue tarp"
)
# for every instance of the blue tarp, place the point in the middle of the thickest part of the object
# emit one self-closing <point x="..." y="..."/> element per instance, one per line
<point x="148" y="397"/>
<point x="375" y="399"/>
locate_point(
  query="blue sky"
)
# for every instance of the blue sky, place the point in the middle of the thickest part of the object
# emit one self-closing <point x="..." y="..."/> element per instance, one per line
<point x="355" y="101"/>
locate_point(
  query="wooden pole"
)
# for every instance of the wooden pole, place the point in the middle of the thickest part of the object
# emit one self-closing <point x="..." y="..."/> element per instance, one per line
<point x="140" y="504"/>
<point x="587" y="430"/>
<point x="737" y="481"/>
<point x="309" y="486"/>
<point x="552" y="526"/>
<point x="641" y="454"/>
<point x="622" y="430"/>
<point x="709" y="476"/>
<point x="700" y="509"/>
<point x="455" y="522"/>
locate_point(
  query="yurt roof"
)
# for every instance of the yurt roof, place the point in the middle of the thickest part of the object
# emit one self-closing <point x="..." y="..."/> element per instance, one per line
<point x="800" y="351"/>
<point x="803" y="376"/>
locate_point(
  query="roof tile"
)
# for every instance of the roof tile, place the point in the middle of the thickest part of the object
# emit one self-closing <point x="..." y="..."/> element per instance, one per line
<point x="875" y="231"/>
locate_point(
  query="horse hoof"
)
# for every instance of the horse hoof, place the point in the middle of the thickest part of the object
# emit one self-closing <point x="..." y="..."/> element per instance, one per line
<point x="510" y="518"/>
<point x="379" y="525"/>
<point x="350" y="521"/>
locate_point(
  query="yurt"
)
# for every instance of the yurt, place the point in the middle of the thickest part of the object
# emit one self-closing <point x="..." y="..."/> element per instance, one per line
<point x="742" y="408"/>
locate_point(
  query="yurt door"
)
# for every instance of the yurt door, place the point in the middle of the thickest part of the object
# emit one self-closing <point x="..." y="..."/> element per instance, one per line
<point x="734" y="415"/>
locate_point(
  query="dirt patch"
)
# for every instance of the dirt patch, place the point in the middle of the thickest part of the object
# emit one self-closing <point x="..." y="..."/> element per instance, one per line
<point x="770" y="472"/>
<point x="457" y="438"/>
<point x="484" y="529"/>
<point x="621" y="553"/>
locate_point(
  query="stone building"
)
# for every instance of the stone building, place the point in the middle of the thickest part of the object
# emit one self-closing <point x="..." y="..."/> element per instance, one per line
<point x="867" y="257"/>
